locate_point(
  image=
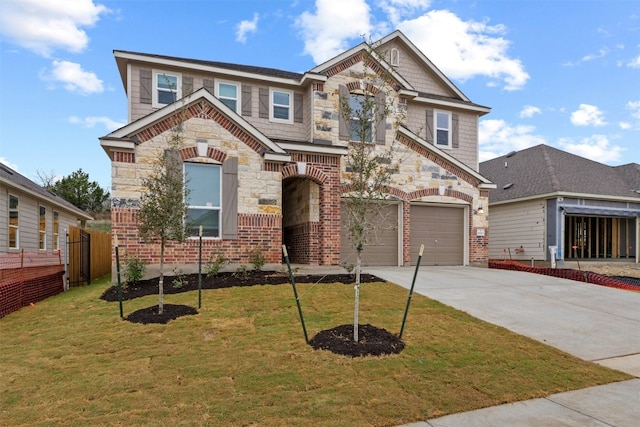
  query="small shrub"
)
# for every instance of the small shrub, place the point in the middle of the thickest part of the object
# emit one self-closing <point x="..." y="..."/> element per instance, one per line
<point x="241" y="272"/>
<point x="214" y="266"/>
<point x="179" y="279"/>
<point x="257" y="259"/>
<point x="348" y="267"/>
<point x="134" y="269"/>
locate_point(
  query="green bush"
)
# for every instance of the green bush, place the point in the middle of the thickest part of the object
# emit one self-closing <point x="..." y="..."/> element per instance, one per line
<point x="134" y="269"/>
<point x="214" y="265"/>
<point x="257" y="259"/>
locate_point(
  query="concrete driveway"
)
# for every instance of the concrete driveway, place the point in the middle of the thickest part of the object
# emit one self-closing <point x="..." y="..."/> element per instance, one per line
<point x="592" y="322"/>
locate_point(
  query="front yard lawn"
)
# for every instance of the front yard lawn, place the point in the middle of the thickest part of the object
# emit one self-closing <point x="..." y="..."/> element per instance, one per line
<point x="242" y="360"/>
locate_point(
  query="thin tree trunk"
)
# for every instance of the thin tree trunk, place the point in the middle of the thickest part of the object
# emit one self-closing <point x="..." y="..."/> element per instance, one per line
<point x="356" y="306"/>
<point x="161" y="280"/>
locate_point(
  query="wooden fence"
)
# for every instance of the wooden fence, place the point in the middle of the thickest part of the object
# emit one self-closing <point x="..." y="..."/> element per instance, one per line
<point x="89" y="255"/>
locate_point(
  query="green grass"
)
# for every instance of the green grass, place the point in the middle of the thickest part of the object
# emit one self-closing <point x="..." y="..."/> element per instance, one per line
<point x="71" y="360"/>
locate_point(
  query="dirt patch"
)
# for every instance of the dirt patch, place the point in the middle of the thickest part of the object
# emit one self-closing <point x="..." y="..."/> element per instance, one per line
<point x="189" y="282"/>
<point x="372" y="341"/>
<point x="169" y="312"/>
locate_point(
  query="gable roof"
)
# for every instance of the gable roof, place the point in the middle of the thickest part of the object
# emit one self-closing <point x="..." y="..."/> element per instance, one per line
<point x="543" y="171"/>
<point x="125" y="137"/>
<point x="13" y="179"/>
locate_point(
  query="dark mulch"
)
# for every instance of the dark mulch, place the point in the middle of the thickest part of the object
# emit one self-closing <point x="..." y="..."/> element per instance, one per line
<point x="372" y="341"/>
<point x="189" y="283"/>
<point x="169" y="312"/>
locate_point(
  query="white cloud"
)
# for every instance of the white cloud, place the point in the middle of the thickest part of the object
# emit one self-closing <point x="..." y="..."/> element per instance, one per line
<point x="595" y="147"/>
<point x="634" y="63"/>
<point x="328" y="29"/>
<point x="529" y="111"/>
<point x="465" y="49"/>
<point x="625" y="125"/>
<point x="245" y="27"/>
<point x="92" y="121"/>
<point x="44" y="25"/>
<point x="9" y="164"/>
<point x="497" y="137"/>
<point x="398" y="9"/>
<point x="74" y="78"/>
<point x="588" y="115"/>
<point x="634" y="106"/>
<point x="590" y="57"/>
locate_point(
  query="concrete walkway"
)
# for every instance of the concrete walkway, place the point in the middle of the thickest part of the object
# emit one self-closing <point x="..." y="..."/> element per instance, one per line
<point x="592" y="322"/>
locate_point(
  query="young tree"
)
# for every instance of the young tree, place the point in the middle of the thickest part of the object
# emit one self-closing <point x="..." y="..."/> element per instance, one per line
<point x="77" y="189"/>
<point x="163" y="206"/>
<point x="369" y="162"/>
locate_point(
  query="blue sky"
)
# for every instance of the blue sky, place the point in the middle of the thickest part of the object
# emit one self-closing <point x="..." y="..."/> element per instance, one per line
<point x="563" y="73"/>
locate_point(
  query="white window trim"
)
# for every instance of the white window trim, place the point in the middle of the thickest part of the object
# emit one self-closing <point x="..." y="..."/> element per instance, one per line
<point x="436" y="128"/>
<point x="394" y="57"/>
<point x="154" y="86"/>
<point x="219" y="209"/>
<point x="42" y="234"/>
<point x="238" y="92"/>
<point x="17" y="228"/>
<point x="272" y="105"/>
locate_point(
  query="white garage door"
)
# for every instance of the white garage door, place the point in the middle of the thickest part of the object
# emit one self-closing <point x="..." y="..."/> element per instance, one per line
<point x="383" y="246"/>
<point x="441" y="230"/>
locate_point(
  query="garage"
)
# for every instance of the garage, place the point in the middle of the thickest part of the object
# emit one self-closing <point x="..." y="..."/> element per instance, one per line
<point x="383" y="247"/>
<point x="441" y="230"/>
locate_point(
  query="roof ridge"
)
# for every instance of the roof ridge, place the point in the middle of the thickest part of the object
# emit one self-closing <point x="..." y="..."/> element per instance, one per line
<point x="555" y="183"/>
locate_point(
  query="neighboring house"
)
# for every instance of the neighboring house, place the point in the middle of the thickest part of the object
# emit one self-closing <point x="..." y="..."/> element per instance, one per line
<point x="547" y="197"/>
<point x="33" y="218"/>
<point x="264" y="152"/>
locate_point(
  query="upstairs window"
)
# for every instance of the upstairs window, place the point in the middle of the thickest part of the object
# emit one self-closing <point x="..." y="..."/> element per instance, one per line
<point x="361" y="118"/>
<point x="167" y="88"/>
<point x="229" y="94"/>
<point x="443" y="129"/>
<point x="42" y="229"/>
<point x="281" y="101"/>
<point x="14" y="223"/>
<point x="395" y="57"/>
<point x="204" y="184"/>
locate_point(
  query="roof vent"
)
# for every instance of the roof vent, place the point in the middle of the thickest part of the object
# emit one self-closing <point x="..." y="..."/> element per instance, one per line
<point x="511" y="154"/>
<point x="507" y="186"/>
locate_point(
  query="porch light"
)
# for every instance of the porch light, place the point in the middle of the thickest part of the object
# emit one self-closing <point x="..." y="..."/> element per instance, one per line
<point x="480" y="210"/>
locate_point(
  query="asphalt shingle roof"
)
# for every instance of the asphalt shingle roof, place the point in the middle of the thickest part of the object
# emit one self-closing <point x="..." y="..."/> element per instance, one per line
<point x="20" y="181"/>
<point x="543" y="170"/>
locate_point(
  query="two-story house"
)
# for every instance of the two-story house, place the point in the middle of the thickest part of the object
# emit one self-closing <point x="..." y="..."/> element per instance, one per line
<point x="264" y="150"/>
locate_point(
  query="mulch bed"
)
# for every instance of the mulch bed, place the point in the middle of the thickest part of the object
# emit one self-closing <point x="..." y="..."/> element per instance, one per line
<point x="372" y="341"/>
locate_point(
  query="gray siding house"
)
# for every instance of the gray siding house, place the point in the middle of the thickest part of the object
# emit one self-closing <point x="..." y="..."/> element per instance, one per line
<point x="546" y="197"/>
<point x="33" y="219"/>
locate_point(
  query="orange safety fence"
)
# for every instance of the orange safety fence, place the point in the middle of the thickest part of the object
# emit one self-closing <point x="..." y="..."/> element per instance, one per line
<point x="29" y="277"/>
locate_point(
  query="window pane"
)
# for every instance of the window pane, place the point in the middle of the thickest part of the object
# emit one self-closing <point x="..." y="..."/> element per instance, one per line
<point x="166" y="97"/>
<point x="227" y="90"/>
<point x="13" y="218"/>
<point x="167" y="82"/>
<point x="357" y="131"/>
<point x="13" y="237"/>
<point x="208" y="219"/>
<point x="231" y="103"/>
<point x="13" y="202"/>
<point x="281" y="98"/>
<point x="204" y="183"/>
<point x="443" y="121"/>
<point x="281" y="113"/>
<point x="443" y="137"/>
<point x="356" y="103"/>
